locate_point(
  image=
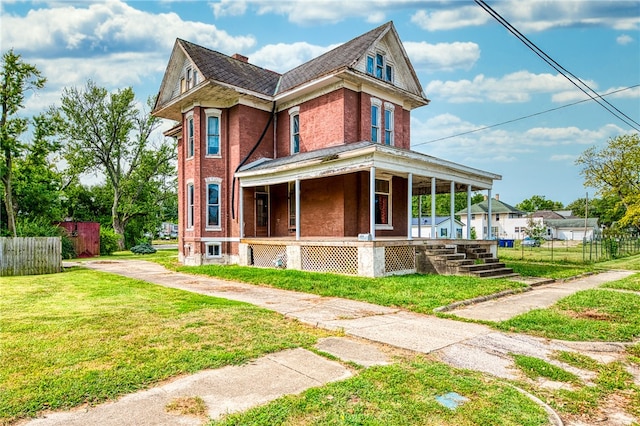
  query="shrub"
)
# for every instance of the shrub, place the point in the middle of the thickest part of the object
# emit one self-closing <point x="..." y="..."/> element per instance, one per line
<point x="108" y="241"/>
<point x="144" y="248"/>
<point x="40" y="227"/>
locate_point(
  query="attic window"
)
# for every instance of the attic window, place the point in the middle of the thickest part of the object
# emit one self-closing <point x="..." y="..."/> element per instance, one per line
<point x="379" y="67"/>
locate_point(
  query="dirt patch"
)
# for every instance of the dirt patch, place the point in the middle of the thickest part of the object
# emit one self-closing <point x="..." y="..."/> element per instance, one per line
<point x="611" y="413"/>
<point x="592" y="314"/>
<point x="188" y="406"/>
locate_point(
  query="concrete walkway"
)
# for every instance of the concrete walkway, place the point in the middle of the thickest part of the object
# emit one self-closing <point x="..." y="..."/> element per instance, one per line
<point x="229" y="389"/>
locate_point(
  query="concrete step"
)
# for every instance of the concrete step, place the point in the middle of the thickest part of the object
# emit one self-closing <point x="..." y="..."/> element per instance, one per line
<point x="481" y="267"/>
<point x="447" y="257"/>
<point x="496" y="273"/>
<point x="458" y="263"/>
<point x="439" y="251"/>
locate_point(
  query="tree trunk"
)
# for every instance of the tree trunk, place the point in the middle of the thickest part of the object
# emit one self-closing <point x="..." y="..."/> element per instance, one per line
<point x="8" y="196"/>
<point x="118" y="224"/>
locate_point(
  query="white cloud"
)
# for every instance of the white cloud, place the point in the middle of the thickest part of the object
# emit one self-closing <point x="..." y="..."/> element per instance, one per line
<point x="511" y="88"/>
<point x="576" y="95"/>
<point x="624" y="39"/>
<point x="442" y="56"/>
<point x="567" y="158"/>
<point x="229" y="8"/>
<point x="533" y="16"/>
<point x="109" y="27"/>
<point x="283" y="57"/>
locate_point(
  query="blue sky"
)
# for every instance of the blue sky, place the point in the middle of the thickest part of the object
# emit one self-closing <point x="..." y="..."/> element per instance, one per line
<point x="475" y="73"/>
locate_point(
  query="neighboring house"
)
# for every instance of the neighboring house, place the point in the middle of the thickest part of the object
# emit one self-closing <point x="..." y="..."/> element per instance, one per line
<point x="571" y="228"/>
<point x="422" y="227"/>
<point x="505" y="220"/>
<point x="310" y="169"/>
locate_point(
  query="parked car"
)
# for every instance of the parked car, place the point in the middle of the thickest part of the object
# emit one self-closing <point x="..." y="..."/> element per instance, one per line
<point x="530" y="242"/>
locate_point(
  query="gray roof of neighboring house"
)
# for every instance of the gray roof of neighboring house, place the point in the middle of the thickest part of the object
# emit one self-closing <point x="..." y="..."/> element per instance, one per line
<point x="497" y="206"/>
<point x="547" y="214"/>
<point x="427" y="220"/>
<point x="578" y="223"/>
<point x="225" y="69"/>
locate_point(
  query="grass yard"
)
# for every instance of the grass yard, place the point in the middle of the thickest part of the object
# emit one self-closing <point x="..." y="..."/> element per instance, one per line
<point x="85" y="337"/>
<point x="418" y="293"/>
<point x="400" y="394"/>
<point x="548" y="270"/>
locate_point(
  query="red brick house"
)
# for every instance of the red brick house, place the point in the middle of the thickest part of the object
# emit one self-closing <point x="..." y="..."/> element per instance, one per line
<point x="310" y="169"/>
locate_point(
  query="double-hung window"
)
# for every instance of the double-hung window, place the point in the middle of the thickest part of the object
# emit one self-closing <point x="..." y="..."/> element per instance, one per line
<point x="190" y="204"/>
<point x="383" y="202"/>
<point x="213" y="203"/>
<point x="375" y="120"/>
<point x="190" y="136"/>
<point x="213" y="131"/>
<point x="294" y="123"/>
<point x="379" y="67"/>
<point x="388" y="124"/>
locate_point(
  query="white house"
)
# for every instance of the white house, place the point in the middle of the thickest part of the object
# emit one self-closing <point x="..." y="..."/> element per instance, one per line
<point x="421" y="227"/>
<point x="506" y="220"/>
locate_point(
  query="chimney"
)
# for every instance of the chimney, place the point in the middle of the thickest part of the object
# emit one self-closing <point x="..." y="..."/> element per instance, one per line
<point x="240" y="57"/>
<point x="498" y="197"/>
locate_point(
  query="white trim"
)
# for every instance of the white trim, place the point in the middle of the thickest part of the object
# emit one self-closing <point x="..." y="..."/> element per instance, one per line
<point x="390" y="128"/>
<point x="378" y="104"/>
<point x="213" y="244"/>
<point x="191" y="139"/>
<point x="220" y="239"/>
<point x="389" y="224"/>
<point x="191" y="208"/>
<point x="213" y="112"/>
<point x="294" y="112"/>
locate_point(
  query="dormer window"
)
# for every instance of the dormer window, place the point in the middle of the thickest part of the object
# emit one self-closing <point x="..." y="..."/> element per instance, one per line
<point x="379" y="67"/>
<point x="189" y="79"/>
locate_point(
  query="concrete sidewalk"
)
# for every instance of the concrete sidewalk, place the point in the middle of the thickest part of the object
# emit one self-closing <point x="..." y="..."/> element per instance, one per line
<point x="229" y="389"/>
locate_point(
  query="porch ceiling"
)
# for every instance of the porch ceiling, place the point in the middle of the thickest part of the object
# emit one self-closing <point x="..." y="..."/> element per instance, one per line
<point x="361" y="156"/>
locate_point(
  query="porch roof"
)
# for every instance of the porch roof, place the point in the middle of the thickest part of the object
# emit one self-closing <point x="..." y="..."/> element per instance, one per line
<point x="361" y="156"/>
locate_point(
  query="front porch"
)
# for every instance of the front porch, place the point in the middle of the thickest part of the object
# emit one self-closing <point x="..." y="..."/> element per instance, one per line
<point x="353" y="256"/>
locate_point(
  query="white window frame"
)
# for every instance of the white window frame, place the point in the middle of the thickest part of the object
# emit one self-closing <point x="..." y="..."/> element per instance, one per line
<point x="191" y="130"/>
<point x="294" y="112"/>
<point x="371" y="59"/>
<point x="213" y="181"/>
<point x="190" y="198"/>
<point x="382" y="70"/>
<point x="389" y="124"/>
<point x="213" y="244"/>
<point x="376" y="103"/>
<point x="188" y="73"/>
<point x="389" y="225"/>
<point x="214" y="112"/>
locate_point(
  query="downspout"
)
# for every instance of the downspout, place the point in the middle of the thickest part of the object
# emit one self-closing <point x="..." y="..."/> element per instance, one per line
<point x="245" y="159"/>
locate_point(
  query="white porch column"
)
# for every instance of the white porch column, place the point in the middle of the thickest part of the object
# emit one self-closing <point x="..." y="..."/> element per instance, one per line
<point x="419" y="216"/>
<point x="372" y="202"/>
<point x="297" y="209"/>
<point x="241" y="210"/>
<point x="409" y="205"/>
<point x="468" y="212"/>
<point x="452" y="210"/>
<point x="489" y="215"/>
<point x="433" y="208"/>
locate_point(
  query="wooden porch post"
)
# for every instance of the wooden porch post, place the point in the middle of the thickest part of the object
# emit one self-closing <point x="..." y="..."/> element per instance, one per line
<point x="241" y="210"/>
<point x="297" y="209"/>
<point x="372" y="203"/>
<point x="468" y="212"/>
<point x="433" y="208"/>
<point x="452" y="209"/>
<point x="489" y="218"/>
<point x="419" y="216"/>
<point x="409" y="205"/>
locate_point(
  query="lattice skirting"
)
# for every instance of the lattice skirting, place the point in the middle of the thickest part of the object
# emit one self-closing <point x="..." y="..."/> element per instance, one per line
<point x="341" y="260"/>
<point x="399" y="258"/>
<point x="266" y="256"/>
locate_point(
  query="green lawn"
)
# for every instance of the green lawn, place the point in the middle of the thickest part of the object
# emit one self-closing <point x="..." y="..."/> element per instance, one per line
<point x="84" y="337"/>
<point x="418" y="293"/>
<point x="400" y="394"/>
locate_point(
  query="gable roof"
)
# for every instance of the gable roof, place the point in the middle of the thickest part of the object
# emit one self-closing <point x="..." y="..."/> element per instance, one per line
<point x="578" y="223"/>
<point x="439" y="220"/>
<point x="229" y="73"/>
<point x="497" y="206"/>
<point x="225" y="69"/>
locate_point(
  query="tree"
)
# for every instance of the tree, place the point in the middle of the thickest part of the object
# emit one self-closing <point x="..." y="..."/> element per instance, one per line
<point x="17" y="77"/>
<point x="607" y="209"/>
<point x="443" y="203"/>
<point x="106" y="133"/>
<point x="614" y="171"/>
<point x="535" y="230"/>
<point x="537" y="203"/>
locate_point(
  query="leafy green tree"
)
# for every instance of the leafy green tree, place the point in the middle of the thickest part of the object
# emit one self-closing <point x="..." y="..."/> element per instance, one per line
<point x="105" y="132"/>
<point x="614" y="170"/>
<point x="16" y="78"/>
<point x="537" y="203"/>
<point x="535" y="230"/>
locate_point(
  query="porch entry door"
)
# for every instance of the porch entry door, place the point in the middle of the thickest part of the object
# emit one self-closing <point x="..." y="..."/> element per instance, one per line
<point x="262" y="214"/>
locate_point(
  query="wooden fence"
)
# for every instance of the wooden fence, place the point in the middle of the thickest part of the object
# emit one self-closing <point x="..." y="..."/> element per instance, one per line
<point x="30" y="256"/>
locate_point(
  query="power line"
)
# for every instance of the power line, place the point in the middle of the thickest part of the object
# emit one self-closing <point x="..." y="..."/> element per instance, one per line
<point x="560" y="69"/>
<point x="523" y="117"/>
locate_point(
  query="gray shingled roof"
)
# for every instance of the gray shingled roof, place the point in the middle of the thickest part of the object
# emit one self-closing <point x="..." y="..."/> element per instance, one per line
<point x="343" y="56"/>
<point x="592" y="222"/>
<point x="497" y="206"/>
<point x="225" y="69"/>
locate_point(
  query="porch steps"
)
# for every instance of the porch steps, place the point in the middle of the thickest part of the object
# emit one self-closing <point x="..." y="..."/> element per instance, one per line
<point x="467" y="259"/>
